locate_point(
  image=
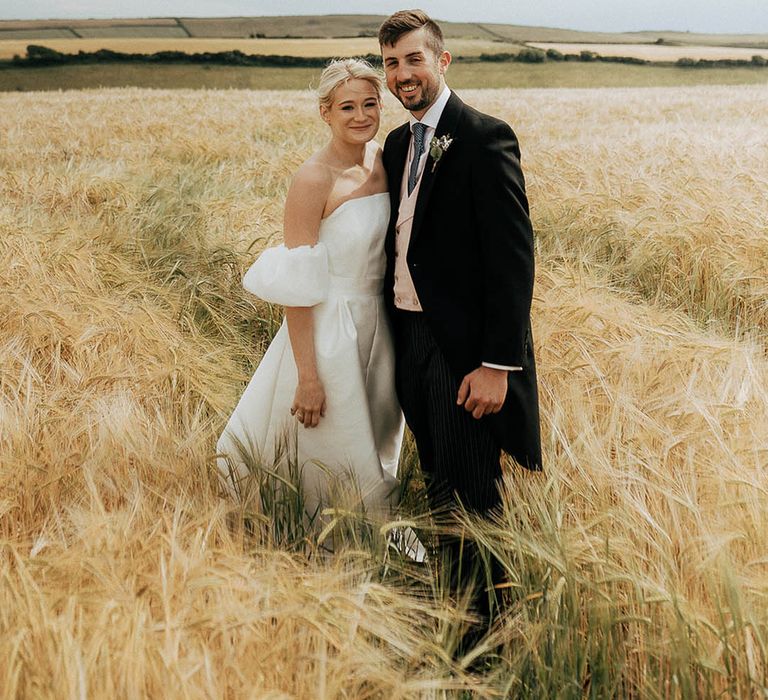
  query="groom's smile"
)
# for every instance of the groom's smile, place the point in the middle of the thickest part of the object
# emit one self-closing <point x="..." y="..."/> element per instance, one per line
<point x="407" y="91"/>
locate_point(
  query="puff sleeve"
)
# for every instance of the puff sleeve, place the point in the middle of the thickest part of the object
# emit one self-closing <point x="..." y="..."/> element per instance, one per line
<point x="290" y="276"/>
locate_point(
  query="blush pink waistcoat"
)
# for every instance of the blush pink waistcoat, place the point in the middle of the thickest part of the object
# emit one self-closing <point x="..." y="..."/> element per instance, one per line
<point x="405" y="293"/>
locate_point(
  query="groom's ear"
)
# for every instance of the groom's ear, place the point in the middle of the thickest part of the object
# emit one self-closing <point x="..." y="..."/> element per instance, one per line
<point x="443" y="61"/>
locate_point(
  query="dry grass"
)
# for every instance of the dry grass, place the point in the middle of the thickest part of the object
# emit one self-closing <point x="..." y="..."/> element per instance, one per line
<point x="637" y="564"/>
<point x="653" y="52"/>
<point x="662" y="191"/>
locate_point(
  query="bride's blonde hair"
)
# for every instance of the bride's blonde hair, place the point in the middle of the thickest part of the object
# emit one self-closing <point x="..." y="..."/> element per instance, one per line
<point x="340" y="71"/>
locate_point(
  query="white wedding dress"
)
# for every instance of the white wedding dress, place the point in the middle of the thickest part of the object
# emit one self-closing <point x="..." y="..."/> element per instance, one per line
<point x="359" y="438"/>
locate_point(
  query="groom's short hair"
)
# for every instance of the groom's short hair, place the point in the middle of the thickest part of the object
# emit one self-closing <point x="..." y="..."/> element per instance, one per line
<point x="406" y="21"/>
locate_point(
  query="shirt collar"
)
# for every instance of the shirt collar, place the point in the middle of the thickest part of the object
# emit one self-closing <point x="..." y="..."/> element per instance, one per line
<point x="433" y="114"/>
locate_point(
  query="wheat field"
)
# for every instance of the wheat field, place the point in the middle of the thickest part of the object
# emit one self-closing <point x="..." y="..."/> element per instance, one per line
<point x="637" y="563"/>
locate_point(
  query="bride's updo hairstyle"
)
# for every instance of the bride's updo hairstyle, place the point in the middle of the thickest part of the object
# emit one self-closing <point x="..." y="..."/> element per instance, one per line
<point x="340" y="71"/>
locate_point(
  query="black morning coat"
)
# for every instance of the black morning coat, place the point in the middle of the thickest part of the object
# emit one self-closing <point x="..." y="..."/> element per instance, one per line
<point x="471" y="260"/>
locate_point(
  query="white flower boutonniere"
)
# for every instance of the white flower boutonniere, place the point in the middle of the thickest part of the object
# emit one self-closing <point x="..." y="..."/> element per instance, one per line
<point x="438" y="146"/>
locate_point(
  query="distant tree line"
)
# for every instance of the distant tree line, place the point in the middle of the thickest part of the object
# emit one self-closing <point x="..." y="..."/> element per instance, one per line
<point x="44" y="56"/>
<point x="532" y="55"/>
<point x="759" y="61"/>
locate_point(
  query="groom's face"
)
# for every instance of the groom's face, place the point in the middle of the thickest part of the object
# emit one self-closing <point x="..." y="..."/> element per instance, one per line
<point x="415" y="73"/>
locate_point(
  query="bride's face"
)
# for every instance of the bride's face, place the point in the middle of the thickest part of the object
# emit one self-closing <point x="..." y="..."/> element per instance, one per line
<point x="355" y="112"/>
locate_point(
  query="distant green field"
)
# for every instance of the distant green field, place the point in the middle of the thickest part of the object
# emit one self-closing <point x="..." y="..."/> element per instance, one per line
<point x="461" y="75"/>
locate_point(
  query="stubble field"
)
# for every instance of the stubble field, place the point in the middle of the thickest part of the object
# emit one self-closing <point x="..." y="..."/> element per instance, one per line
<point x="637" y="564"/>
<point x="307" y="47"/>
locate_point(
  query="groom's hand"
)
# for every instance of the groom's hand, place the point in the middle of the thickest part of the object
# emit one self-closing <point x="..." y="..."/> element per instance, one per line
<point x="483" y="391"/>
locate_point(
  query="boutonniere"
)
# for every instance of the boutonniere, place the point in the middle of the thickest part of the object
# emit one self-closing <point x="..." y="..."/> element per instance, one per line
<point x="438" y="146"/>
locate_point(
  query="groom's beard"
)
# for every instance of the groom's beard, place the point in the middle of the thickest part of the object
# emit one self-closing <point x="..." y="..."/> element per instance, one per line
<point x="428" y="96"/>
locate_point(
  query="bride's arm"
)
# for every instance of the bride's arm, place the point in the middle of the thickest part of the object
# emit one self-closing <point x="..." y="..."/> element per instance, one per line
<point x="304" y="207"/>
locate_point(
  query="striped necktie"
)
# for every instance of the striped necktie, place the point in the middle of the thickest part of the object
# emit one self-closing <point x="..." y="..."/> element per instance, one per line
<point x="419" y="130"/>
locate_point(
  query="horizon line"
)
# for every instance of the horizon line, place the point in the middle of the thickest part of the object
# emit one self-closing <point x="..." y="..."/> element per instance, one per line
<point x="368" y="14"/>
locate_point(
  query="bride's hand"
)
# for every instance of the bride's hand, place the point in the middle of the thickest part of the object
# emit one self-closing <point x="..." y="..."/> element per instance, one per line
<point x="309" y="402"/>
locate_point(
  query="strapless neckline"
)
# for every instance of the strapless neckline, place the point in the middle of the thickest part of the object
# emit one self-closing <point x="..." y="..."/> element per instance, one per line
<point x="354" y="199"/>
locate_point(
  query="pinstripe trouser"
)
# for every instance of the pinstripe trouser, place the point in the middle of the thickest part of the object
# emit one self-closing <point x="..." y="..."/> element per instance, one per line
<point x="458" y="454"/>
<point x="459" y="457"/>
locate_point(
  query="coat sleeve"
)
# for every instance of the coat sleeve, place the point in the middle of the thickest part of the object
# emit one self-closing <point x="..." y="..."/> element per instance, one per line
<point x="290" y="276"/>
<point x="506" y="240"/>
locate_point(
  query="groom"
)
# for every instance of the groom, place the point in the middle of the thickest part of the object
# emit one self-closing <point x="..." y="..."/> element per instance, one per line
<point x="459" y="277"/>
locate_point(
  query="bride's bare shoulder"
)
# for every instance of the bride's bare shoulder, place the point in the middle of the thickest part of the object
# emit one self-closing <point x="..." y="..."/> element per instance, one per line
<point x="305" y="203"/>
<point x="314" y="175"/>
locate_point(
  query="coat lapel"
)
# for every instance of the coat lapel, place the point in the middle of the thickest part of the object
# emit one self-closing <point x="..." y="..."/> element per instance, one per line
<point x="449" y="120"/>
<point x="401" y="141"/>
<point x="395" y="153"/>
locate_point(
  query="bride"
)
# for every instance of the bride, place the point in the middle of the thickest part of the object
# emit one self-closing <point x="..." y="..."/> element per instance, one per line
<point x="327" y="378"/>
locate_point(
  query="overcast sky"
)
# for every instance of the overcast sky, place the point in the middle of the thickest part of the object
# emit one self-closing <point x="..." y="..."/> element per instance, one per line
<point x="730" y="16"/>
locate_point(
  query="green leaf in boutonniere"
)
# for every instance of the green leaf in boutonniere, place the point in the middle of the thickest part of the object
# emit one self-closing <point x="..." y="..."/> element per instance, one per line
<point x="437" y="147"/>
